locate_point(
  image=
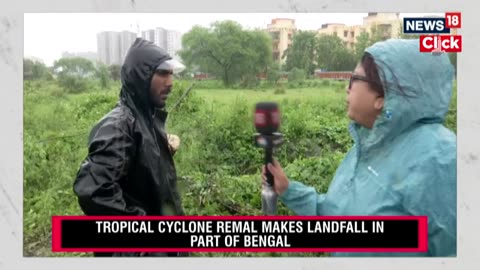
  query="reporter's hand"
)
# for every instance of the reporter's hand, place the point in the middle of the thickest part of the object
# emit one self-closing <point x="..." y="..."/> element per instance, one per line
<point x="279" y="178"/>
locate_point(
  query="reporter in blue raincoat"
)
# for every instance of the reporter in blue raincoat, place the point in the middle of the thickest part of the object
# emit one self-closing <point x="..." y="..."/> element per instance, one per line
<point x="403" y="161"/>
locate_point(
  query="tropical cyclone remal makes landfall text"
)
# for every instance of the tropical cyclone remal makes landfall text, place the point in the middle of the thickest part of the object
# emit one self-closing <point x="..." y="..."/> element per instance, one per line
<point x="236" y="226"/>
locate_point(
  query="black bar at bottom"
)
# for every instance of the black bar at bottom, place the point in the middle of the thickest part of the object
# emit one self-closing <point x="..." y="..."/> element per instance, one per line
<point x="295" y="234"/>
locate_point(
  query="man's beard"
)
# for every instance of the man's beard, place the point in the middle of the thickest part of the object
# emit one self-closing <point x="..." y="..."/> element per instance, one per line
<point x="158" y="102"/>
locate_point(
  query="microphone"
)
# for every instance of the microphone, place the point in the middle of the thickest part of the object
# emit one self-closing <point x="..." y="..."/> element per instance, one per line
<point x="267" y="124"/>
<point x="267" y="118"/>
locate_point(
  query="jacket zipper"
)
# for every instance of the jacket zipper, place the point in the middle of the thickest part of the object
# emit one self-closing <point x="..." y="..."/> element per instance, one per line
<point x="159" y="151"/>
<point x="357" y="154"/>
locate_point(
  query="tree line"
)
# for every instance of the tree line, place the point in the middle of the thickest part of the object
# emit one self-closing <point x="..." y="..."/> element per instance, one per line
<point x="72" y="74"/>
<point x="233" y="54"/>
<point x="230" y="53"/>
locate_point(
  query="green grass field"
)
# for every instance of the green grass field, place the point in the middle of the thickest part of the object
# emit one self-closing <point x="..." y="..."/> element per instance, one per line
<point x="228" y="96"/>
<point x="217" y="164"/>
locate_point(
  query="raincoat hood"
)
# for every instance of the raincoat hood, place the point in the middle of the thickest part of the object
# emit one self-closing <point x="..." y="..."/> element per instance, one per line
<point x="418" y="88"/>
<point x="130" y="169"/>
<point x="142" y="59"/>
<point x="407" y="163"/>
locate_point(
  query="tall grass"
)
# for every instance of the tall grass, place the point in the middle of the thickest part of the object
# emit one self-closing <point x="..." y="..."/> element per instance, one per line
<point x="217" y="163"/>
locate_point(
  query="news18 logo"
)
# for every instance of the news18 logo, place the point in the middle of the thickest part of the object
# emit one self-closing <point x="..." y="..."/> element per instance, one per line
<point x="435" y="35"/>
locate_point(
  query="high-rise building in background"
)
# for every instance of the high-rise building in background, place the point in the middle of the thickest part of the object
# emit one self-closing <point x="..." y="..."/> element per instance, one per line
<point x="126" y="40"/>
<point x="113" y="46"/>
<point x="169" y="40"/>
<point x="108" y="47"/>
<point x="149" y="35"/>
<point x="173" y="43"/>
<point x="281" y="31"/>
<point x="102" y="47"/>
<point x="160" y="37"/>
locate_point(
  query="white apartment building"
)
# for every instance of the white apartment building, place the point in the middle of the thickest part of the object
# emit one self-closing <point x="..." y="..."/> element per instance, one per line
<point x="113" y="46"/>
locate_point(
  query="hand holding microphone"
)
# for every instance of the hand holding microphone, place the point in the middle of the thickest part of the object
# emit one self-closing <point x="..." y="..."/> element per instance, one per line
<point x="280" y="179"/>
<point x="267" y="123"/>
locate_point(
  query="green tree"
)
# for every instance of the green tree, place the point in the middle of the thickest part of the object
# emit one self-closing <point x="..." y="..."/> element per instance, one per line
<point x="227" y="51"/>
<point x="34" y="70"/>
<point x="273" y="73"/>
<point x="363" y="42"/>
<point x="257" y="52"/>
<point x="377" y="33"/>
<point x="73" y="73"/>
<point x="333" y="54"/>
<point x="301" y="54"/>
<point x="115" y="72"/>
<point x="77" y="66"/>
<point x="103" y="75"/>
<point x="296" y="75"/>
<point x="367" y="39"/>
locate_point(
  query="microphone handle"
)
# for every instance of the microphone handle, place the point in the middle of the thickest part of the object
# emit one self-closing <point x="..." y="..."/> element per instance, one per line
<point x="269" y="159"/>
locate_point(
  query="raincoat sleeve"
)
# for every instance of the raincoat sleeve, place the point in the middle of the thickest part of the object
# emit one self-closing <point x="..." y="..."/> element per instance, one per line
<point x="431" y="192"/>
<point x="304" y="200"/>
<point x="301" y="199"/>
<point x="97" y="185"/>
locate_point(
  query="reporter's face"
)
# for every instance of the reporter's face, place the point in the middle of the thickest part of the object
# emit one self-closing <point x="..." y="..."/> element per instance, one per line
<point x="160" y="88"/>
<point x="363" y="103"/>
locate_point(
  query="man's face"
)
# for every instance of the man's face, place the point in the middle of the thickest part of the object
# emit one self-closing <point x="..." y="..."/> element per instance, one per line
<point x="160" y="87"/>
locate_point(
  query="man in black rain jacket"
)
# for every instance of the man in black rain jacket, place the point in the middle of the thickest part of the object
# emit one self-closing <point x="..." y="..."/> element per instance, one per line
<point x="129" y="169"/>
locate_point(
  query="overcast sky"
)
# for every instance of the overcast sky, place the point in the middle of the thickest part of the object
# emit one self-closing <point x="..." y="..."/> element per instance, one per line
<point x="46" y="36"/>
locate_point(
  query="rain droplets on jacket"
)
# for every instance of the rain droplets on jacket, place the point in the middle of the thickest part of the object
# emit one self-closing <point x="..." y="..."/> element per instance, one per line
<point x="405" y="164"/>
<point x="129" y="169"/>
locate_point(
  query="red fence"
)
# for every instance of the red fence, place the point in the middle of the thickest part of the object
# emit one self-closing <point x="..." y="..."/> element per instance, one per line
<point x="202" y="76"/>
<point x="335" y="75"/>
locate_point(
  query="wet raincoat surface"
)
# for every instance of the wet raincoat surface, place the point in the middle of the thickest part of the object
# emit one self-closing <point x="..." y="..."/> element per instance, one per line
<point x="405" y="164"/>
<point x="129" y="169"/>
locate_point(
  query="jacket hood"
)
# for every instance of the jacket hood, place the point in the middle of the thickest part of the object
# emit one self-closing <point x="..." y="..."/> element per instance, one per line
<point x="137" y="71"/>
<point x="418" y="88"/>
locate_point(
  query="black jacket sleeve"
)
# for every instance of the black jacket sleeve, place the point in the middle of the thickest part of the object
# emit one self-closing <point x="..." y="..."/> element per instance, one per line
<point x="110" y="152"/>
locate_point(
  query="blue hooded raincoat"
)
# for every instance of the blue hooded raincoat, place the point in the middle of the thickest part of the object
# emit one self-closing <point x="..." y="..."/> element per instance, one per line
<point x="404" y="165"/>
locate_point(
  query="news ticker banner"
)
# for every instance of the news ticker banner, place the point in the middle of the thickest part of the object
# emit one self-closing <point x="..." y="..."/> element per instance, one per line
<point x="239" y="234"/>
<point x="435" y="33"/>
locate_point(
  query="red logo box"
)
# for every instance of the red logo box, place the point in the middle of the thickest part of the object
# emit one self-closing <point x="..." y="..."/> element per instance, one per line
<point x="440" y="43"/>
<point x="453" y="20"/>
